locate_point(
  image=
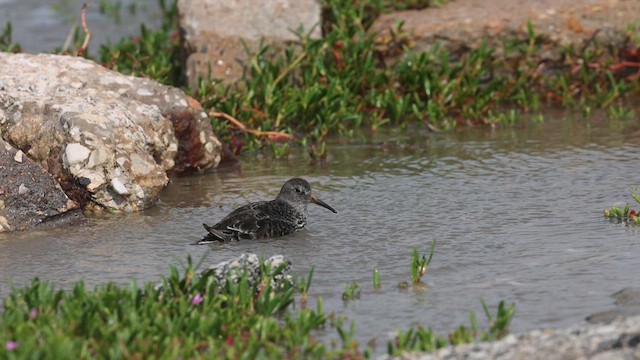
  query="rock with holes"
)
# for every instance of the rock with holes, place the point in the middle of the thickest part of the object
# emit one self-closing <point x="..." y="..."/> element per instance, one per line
<point x="110" y="140"/>
<point x="29" y="195"/>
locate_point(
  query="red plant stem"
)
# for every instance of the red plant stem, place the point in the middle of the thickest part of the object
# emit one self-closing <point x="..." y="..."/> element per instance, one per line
<point x="273" y="135"/>
<point x="87" y="38"/>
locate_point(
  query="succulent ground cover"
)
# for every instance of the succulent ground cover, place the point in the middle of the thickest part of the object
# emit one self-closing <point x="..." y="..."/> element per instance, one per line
<point x="193" y="314"/>
<point x="346" y="82"/>
<point x="343" y="82"/>
<point x="624" y="213"/>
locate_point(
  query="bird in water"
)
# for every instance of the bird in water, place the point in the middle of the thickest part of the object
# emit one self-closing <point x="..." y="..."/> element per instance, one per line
<point x="284" y="215"/>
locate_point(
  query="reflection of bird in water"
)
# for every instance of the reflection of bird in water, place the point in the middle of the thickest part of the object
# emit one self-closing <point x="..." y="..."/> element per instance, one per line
<point x="284" y="215"/>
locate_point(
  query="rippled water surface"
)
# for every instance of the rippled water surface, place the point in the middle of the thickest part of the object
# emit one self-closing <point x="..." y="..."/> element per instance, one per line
<point x="517" y="215"/>
<point x="42" y="26"/>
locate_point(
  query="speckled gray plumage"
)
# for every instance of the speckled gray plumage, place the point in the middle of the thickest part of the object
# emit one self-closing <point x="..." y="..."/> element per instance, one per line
<point x="286" y="214"/>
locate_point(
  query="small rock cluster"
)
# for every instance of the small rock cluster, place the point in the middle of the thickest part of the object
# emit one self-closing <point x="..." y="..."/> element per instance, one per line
<point x="229" y="270"/>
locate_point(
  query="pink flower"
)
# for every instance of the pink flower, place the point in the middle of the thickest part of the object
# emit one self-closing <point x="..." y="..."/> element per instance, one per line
<point x="33" y="314"/>
<point x="11" y="345"/>
<point x="197" y="300"/>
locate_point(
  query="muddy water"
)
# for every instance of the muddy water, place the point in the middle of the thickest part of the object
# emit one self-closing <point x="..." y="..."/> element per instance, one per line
<point x="517" y="215"/>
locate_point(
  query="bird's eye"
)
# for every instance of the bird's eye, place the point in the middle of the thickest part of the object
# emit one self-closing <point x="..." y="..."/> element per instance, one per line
<point x="298" y="190"/>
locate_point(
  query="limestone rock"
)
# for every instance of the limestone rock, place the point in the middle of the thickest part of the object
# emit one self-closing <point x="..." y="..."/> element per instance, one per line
<point x="18" y="156"/>
<point x="461" y="25"/>
<point x="617" y="340"/>
<point x="228" y="270"/>
<point x="213" y="30"/>
<point x="75" y="154"/>
<point x="88" y="126"/>
<point x="29" y="195"/>
<point x="119" y="187"/>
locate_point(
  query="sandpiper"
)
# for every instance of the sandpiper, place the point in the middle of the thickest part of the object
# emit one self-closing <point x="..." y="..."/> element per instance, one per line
<point x="284" y="215"/>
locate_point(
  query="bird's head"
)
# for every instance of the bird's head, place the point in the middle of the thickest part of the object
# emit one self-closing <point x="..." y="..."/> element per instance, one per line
<point x="298" y="192"/>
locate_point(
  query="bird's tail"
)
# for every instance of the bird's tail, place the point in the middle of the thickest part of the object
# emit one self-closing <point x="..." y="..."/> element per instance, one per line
<point x="214" y="236"/>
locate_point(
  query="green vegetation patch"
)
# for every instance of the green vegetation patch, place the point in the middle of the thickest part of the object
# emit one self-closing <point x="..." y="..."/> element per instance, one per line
<point x="625" y="213"/>
<point x="418" y="339"/>
<point x="191" y="315"/>
<point x="347" y="81"/>
<point x="186" y="316"/>
<point x="155" y="53"/>
<point x="6" y="43"/>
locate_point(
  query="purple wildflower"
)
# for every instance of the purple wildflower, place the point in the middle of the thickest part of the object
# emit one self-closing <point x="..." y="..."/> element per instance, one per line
<point x="11" y="345"/>
<point x="33" y="313"/>
<point x="197" y="300"/>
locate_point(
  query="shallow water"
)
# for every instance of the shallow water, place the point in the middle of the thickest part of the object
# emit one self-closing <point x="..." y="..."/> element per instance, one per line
<point x="42" y="26"/>
<point x="516" y="212"/>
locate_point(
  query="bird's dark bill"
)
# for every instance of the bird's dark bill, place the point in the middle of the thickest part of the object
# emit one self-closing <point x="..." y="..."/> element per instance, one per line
<point x="315" y="200"/>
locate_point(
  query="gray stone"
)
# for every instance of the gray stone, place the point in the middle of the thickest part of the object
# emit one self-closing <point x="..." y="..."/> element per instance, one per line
<point x="617" y="340"/>
<point x="628" y="297"/>
<point x="627" y="303"/>
<point x="213" y="30"/>
<point x="228" y="270"/>
<point x="75" y="118"/>
<point x="29" y="195"/>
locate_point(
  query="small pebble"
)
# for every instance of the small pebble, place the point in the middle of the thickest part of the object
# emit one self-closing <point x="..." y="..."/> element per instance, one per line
<point x="22" y="189"/>
<point x="18" y="156"/>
